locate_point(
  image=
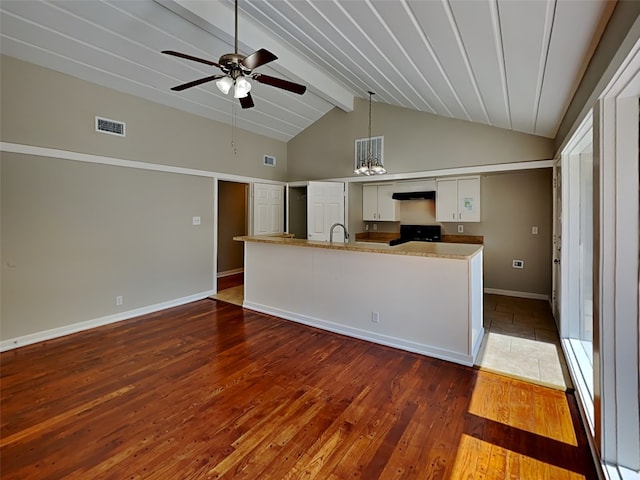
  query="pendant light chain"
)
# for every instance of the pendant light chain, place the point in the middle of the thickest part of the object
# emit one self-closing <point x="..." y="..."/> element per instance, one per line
<point x="370" y="95"/>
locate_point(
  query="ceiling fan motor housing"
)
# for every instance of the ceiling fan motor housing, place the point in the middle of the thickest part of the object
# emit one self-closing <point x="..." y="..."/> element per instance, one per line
<point x="230" y="62"/>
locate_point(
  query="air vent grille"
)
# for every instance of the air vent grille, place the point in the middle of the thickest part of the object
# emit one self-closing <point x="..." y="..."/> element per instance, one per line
<point x="362" y="149"/>
<point x="112" y="127"/>
<point x="269" y="161"/>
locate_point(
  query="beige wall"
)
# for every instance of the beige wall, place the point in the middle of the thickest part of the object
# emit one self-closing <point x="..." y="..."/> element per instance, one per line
<point x="511" y="203"/>
<point x="48" y="109"/>
<point x="232" y="221"/>
<point x="76" y="235"/>
<point x="413" y="142"/>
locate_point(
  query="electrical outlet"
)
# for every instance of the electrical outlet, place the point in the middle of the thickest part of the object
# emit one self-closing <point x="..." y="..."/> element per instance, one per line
<point x="534" y="230"/>
<point x="375" y="226"/>
<point x="518" y="264"/>
<point x="119" y="300"/>
<point x="460" y="228"/>
<point x="375" y="317"/>
<point x="196" y="221"/>
<point x="366" y="227"/>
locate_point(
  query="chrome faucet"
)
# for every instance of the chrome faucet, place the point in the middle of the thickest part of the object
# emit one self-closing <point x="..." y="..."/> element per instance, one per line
<point x="346" y="234"/>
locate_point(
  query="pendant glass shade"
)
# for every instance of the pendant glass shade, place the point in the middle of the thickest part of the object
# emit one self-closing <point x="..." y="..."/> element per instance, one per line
<point x="369" y="166"/>
<point x="225" y="84"/>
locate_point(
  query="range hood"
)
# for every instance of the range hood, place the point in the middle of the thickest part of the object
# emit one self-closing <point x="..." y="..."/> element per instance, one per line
<point x="428" y="195"/>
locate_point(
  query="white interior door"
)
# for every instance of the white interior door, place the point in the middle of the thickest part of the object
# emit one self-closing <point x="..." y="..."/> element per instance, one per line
<point x="268" y="209"/>
<point x="325" y="206"/>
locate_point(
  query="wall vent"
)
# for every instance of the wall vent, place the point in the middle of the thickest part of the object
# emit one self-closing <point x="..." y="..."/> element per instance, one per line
<point x="112" y="127"/>
<point x="269" y="161"/>
<point x="362" y="149"/>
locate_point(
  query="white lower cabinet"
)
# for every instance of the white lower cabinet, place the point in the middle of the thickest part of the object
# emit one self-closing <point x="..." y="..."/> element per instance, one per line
<point x="378" y="204"/>
<point x="458" y="199"/>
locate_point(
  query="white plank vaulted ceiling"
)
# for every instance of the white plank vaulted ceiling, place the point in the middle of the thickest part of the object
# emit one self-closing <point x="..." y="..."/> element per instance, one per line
<point x="513" y="64"/>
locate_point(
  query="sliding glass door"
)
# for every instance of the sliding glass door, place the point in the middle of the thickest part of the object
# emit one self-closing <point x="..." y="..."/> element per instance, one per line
<point x="577" y="326"/>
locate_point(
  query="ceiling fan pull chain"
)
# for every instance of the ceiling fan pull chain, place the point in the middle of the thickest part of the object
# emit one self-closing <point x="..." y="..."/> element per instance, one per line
<point x="234" y="113"/>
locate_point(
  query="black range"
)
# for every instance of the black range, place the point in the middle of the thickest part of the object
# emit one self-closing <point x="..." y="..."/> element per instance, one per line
<point x="418" y="233"/>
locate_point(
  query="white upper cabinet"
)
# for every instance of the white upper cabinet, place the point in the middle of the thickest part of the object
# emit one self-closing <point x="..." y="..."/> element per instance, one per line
<point x="458" y="199"/>
<point x="378" y="204"/>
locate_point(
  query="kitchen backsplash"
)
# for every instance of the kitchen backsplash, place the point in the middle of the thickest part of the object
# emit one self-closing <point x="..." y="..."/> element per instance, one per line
<point x="418" y="212"/>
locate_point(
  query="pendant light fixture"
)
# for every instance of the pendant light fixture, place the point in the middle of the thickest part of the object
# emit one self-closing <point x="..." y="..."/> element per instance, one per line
<point x="369" y="165"/>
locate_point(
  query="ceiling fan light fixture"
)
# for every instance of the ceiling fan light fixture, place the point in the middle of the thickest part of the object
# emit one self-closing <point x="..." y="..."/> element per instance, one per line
<point x="225" y="84"/>
<point x="242" y="88"/>
<point x="236" y="71"/>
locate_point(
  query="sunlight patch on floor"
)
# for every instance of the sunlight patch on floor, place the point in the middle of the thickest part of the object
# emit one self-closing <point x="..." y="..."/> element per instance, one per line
<point x="479" y="459"/>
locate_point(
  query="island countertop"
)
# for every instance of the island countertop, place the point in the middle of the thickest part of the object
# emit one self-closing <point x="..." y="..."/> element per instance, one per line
<point x="417" y="249"/>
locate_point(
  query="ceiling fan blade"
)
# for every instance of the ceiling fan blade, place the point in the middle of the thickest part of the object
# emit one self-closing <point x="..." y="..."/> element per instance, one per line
<point x="280" y="83"/>
<point x="194" y="83"/>
<point x="246" y="102"/>
<point x="258" y="58"/>
<point x="190" y="57"/>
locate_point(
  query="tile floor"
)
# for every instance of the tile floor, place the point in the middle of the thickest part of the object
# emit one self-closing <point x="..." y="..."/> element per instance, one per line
<point x="521" y="339"/>
<point x="233" y="295"/>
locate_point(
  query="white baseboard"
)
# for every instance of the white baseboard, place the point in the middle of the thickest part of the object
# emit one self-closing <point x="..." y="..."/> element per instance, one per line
<point x="512" y="293"/>
<point x="228" y="273"/>
<point x="401" y="344"/>
<point x="96" y="322"/>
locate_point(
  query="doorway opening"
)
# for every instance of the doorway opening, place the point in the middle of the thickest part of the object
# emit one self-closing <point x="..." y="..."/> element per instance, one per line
<point x="298" y="211"/>
<point x="233" y="220"/>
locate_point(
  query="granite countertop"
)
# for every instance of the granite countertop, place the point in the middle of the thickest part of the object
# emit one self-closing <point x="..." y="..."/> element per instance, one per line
<point x="385" y="237"/>
<point x="456" y="251"/>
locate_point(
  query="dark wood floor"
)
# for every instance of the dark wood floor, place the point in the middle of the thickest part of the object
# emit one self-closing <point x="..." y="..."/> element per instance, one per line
<point x="210" y="390"/>
<point x="230" y="281"/>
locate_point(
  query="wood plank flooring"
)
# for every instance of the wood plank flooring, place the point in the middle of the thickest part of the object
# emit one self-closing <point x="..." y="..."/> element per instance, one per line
<point x="209" y="390"/>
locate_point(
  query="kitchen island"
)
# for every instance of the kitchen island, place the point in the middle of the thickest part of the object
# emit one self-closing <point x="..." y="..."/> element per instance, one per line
<point x="418" y="296"/>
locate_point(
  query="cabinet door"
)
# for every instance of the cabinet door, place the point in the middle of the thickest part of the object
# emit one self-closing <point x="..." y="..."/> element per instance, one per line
<point x="369" y="202"/>
<point x="469" y="199"/>
<point x="447" y="201"/>
<point x="388" y="208"/>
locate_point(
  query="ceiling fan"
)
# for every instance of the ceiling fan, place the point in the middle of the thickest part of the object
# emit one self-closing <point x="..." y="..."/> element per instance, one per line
<point x="237" y="70"/>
